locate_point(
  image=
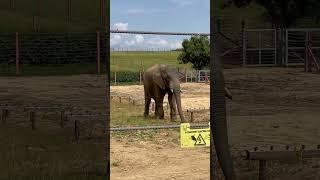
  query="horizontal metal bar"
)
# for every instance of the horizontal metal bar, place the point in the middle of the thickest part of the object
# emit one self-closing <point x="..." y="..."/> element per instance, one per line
<point x="295" y="48"/>
<point x="174" y="126"/>
<point x="282" y="155"/>
<point x="259" y="30"/>
<point x="303" y="29"/>
<point x="197" y="110"/>
<point x="259" y="65"/>
<point x="262" y="49"/>
<point x="44" y="108"/>
<point x="295" y="64"/>
<point x="86" y="115"/>
<point x="158" y="33"/>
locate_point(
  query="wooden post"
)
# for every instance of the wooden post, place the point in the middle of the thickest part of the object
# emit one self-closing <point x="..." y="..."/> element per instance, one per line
<point x="76" y="131"/>
<point x="115" y="77"/>
<point x="32" y="120"/>
<point x="262" y="170"/>
<point x="98" y="53"/>
<point x="186" y="75"/>
<point x="62" y="119"/>
<point x="119" y="99"/>
<point x="68" y="10"/>
<point x="140" y="75"/>
<point x="12" y="5"/>
<point x="191" y="118"/>
<point x="17" y="54"/>
<point x="4" y="116"/>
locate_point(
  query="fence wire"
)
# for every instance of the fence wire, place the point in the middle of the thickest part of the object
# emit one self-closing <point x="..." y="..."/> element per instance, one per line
<point x="174" y="126"/>
<point x="51" y="50"/>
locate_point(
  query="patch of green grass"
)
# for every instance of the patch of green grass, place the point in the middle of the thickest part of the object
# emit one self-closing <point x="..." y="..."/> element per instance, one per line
<point x="131" y="61"/>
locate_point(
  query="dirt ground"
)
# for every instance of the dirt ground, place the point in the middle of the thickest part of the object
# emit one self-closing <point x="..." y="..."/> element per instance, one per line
<point x="50" y="150"/>
<point x="271" y="106"/>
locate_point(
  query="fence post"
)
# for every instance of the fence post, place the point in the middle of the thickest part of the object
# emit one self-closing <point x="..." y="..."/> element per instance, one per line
<point x="4" y="115"/>
<point x="76" y="131"/>
<point x="98" y="53"/>
<point x="191" y="116"/>
<point x="275" y="47"/>
<point x="12" y="5"/>
<point x="32" y="120"/>
<point x="262" y="170"/>
<point x="17" y="54"/>
<point x="185" y="72"/>
<point x="244" y="44"/>
<point x="306" y="53"/>
<point x="62" y="119"/>
<point x="260" y="58"/>
<point x="115" y="78"/>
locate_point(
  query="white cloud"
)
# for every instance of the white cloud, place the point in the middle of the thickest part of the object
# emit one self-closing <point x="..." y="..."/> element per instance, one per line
<point x="136" y="11"/>
<point x="120" y="26"/>
<point x="145" y="11"/>
<point x="157" y="42"/>
<point x="175" y="45"/>
<point x="183" y="2"/>
<point x="139" y="39"/>
<point x="115" y="39"/>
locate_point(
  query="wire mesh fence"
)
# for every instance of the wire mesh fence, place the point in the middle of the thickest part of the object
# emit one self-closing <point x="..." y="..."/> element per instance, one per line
<point x="52" y="53"/>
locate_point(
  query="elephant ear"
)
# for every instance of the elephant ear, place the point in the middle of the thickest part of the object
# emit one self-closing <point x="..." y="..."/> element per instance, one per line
<point x="157" y="78"/>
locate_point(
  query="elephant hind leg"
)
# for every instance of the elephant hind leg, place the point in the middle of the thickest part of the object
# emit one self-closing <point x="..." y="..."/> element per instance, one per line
<point x="147" y="101"/>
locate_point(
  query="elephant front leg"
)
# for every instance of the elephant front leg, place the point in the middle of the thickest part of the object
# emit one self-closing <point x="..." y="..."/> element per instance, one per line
<point x="146" y="106"/>
<point x="159" y="110"/>
<point x="173" y="107"/>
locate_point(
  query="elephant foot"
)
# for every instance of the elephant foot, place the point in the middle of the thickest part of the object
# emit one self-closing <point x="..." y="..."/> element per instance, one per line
<point x="173" y="117"/>
<point x="146" y="116"/>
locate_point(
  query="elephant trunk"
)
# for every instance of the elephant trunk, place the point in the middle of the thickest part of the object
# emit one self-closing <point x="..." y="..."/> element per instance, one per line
<point x="220" y="130"/>
<point x="177" y="96"/>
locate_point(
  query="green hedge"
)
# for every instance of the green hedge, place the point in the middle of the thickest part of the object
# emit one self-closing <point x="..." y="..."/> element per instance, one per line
<point x="123" y="76"/>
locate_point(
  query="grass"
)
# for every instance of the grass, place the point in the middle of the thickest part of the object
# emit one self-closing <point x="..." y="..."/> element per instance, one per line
<point x="126" y="115"/>
<point x="131" y="61"/>
<point x="120" y="61"/>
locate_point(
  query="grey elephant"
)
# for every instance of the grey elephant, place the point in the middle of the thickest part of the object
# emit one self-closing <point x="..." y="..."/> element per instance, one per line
<point x="159" y="80"/>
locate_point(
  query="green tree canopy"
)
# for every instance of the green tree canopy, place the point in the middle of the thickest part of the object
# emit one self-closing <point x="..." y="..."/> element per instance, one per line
<point x="282" y="13"/>
<point x="196" y="51"/>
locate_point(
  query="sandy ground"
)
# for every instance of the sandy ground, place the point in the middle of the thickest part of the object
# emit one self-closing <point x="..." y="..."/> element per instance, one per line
<point x="271" y="106"/>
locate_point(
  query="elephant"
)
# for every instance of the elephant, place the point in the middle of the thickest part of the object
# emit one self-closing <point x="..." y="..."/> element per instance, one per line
<point x="159" y="80"/>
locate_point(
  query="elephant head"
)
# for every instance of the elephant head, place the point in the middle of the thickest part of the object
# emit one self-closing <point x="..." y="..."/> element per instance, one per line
<point x="167" y="79"/>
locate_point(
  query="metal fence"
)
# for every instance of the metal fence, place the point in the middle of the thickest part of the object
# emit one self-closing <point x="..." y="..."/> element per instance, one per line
<point x="259" y="47"/>
<point x="20" y="50"/>
<point x="296" y="41"/>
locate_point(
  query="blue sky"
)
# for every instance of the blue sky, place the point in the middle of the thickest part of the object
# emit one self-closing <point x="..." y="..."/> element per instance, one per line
<point x="153" y="15"/>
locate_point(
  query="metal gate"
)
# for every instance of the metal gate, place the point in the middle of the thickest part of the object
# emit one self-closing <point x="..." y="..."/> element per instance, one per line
<point x="296" y="40"/>
<point x="259" y="47"/>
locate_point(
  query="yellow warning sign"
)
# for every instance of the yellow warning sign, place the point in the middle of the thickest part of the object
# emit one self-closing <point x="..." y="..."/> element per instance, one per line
<point x="194" y="137"/>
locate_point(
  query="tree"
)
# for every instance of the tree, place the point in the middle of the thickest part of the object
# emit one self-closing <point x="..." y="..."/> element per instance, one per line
<point x="195" y="51"/>
<point x="282" y="13"/>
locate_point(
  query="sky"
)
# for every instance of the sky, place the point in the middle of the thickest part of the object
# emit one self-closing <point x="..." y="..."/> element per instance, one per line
<point x="155" y="15"/>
